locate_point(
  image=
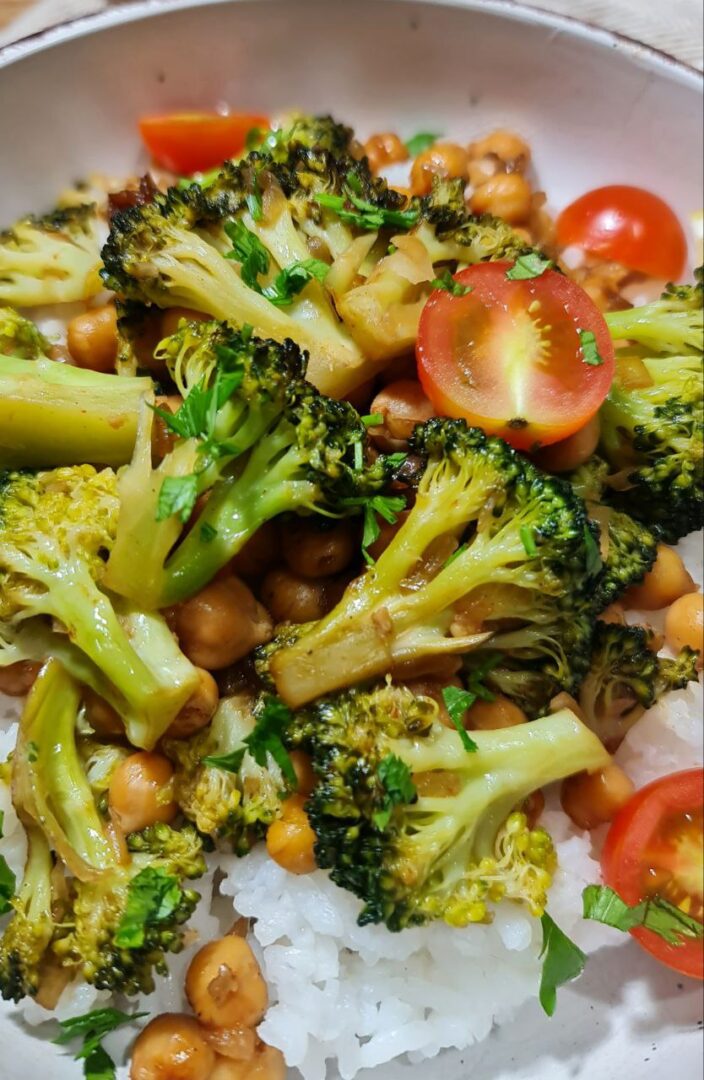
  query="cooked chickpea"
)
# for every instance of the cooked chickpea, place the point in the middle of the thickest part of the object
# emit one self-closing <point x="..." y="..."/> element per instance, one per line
<point x="314" y="552"/>
<point x="492" y="715"/>
<point x="101" y="716"/>
<point x="92" y="338"/>
<point x="506" y="195"/>
<point x="592" y="799"/>
<point x="238" y="1043"/>
<point x="172" y="1047"/>
<point x="16" y="680"/>
<point x="402" y="405"/>
<point x="506" y="147"/>
<point x="221" y="624"/>
<point x="563" y="700"/>
<point x="441" y="159"/>
<point x="665" y="583"/>
<point x="292" y="598"/>
<point x="290" y="840"/>
<point x="303" y="768"/>
<point x="162" y="438"/>
<point x="198" y="710"/>
<point x="224" y="985"/>
<point x="572" y="452"/>
<point x="258" y="554"/>
<point x="384" y="149"/>
<point x="267" y="1064"/>
<point x="141" y="792"/>
<point x="684" y="623"/>
<point x="614" y="613"/>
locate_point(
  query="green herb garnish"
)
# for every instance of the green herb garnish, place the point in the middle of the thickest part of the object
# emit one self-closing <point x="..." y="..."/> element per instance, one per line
<point x="562" y="962"/>
<point x="529" y="266"/>
<point x="399" y="789"/>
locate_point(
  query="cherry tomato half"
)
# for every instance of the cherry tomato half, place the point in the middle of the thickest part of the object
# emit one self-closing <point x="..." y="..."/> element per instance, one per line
<point x="193" y="142"/>
<point x="509" y="358"/>
<point x="656" y="846"/>
<point x="629" y="225"/>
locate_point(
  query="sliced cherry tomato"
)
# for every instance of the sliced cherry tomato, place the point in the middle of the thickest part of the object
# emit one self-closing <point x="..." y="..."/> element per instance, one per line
<point x="511" y="357"/>
<point x="629" y="225"/>
<point x="655" y="846"/>
<point x="193" y="142"/>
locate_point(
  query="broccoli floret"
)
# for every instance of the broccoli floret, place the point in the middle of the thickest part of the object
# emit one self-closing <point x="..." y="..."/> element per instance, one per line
<point x="418" y="827"/>
<point x="652" y="427"/>
<point x="56" y="414"/>
<point x="629" y="550"/>
<point x="28" y="934"/>
<point x="626" y="677"/>
<point x="55" y="529"/>
<point x="20" y="337"/>
<point x="518" y="581"/>
<point x="234" y="804"/>
<point x="53" y="259"/>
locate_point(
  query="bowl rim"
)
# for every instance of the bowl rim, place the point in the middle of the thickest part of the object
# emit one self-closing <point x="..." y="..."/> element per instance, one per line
<point x="514" y="11"/>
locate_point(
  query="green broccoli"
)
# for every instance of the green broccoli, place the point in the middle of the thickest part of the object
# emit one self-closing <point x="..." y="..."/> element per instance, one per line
<point x="652" y="426"/>
<point x="55" y="529"/>
<point x="53" y="259"/>
<point x="419" y="827"/>
<point x="519" y="565"/>
<point x="20" y="337"/>
<point x="28" y="935"/>
<point x="626" y="677"/>
<point x="237" y="799"/>
<point x="55" y="414"/>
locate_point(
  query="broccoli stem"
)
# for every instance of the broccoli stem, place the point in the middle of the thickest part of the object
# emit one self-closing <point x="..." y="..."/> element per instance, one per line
<point x="55" y="414"/>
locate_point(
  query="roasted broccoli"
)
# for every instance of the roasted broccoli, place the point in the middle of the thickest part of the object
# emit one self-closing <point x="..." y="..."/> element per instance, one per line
<point x="652" y="423"/>
<point x="20" y="337"/>
<point x="236" y="800"/>
<point x="517" y="563"/>
<point x="55" y="529"/>
<point x="626" y="677"/>
<point x="53" y="259"/>
<point x="418" y="827"/>
<point x="56" y="414"/>
<point x="281" y="239"/>
<point x="121" y="915"/>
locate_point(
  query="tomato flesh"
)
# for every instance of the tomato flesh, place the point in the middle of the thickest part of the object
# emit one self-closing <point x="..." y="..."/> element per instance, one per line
<point x="655" y="846"/>
<point x="508" y="356"/>
<point x="628" y="225"/>
<point x="193" y="142"/>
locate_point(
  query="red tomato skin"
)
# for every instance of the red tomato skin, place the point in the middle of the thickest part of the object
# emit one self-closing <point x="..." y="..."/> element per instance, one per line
<point x="621" y="864"/>
<point x="187" y="143"/>
<point x="442" y="384"/>
<point x="628" y="225"/>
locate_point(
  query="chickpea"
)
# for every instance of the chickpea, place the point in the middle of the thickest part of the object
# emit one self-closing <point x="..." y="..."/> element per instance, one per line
<point x="198" y="710"/>
<point x="665" y="583"/>
<point x="315" y="552"/>
<point x="563" y="700"/>
<point x="303" y="768"/>
<point x="16" y="680"/>
<point x="290" y="840"/>
<point x="101" y="716"/>
<point x="592" y="799"/>
<point x="162" y="438"/>
<point x="172" y="1047"/>
<point x="267" y="1064"/>
<point x="221" y="624"/>
<point x="292" y="598"/>
<point x="509" y="149"/>
<point x="224" y="985"/>
<point x="433" y="689"/>
<point x="92" y="338"/>
<point x="614" y="613"/>
<point x="172" y="317"/>
<point x="402" y="405"/>
<point x="239" y="1043"/>
<point x="506" y="195"/>
<point x="492" y="715"/>
<point x="141" y="792"/>
<point x="384" y="149"/>
<point x="684" y="623"/>
<point x="258" y="554"/>
<point x="572" y="452"/>
<point x="479" y="170"/>
<point x="442" y="159"/>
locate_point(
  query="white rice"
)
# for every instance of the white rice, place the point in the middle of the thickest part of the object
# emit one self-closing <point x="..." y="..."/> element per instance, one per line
<point x="346" y="999"/>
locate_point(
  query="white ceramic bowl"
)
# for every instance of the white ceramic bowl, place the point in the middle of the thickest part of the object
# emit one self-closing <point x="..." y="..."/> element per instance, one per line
<point x="595" y="108"/>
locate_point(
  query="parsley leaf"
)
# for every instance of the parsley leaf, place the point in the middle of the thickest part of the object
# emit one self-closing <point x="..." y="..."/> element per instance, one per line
<point x="8" y="880"/>
<point x="265" y="738"/>
<point x="529" y="266"/>
<point x="289" y="282"/>
<point x="152" y="897"/>
<point x="254" y="138"/>
<point x="562" y="962"/>
<point x="92" y="1027"/>
<point x="664" y="919"/>
<point x="590" y="352"/>
<point x="248" y="250"/>
<point x="372" y="419"/>
<point x="255" y="260"/>
<point x="387" y="507"/>
<point x="421" y="141"/>
<point x="528" y="540"/>
<point x="254" y="205"/>
<point x="455" y="555"/>
<point x="177" y="495"/>
<point x="445" y="281"/>
<point x="399" y="789"/>
<point x="457" y="702"/>
<point x="594" y="562"/>
<point x="365" y="215"/>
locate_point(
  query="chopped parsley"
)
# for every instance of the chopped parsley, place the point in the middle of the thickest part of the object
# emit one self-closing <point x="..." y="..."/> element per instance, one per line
<point x="656" y="914"/>
<point x="254" y="260"/>
<point x="457" y="702"/>
<point x="446" y="281"/>
<point x="562" y="962"/>
<point x="529" y="266"/>
<point x="152" y="898"/>
<point x="354" y="210"/>
<point x="528" y="540"/>
<point x="265" y="738"/>
<point x="590" y="352"/>
<point x="398" y="788"/>
<point x="421" y="141"/>
<point x="177" y="495"/>
<point x="92" y="1028"/>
